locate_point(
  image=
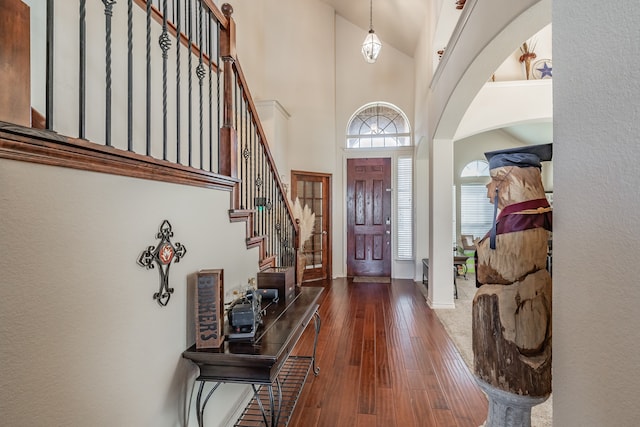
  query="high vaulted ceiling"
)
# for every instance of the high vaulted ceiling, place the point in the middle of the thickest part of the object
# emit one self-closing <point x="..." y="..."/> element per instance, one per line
<point x="400" y="22"/>
<point x="397" y="22"/>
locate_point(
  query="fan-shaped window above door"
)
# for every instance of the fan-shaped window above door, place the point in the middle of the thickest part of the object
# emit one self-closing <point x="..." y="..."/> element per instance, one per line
<point x="378" y="125"/>
<point x="475" y="168"/>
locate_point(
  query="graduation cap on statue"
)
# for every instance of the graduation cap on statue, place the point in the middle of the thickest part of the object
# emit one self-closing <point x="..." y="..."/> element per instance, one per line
<point x="523" y="157"/>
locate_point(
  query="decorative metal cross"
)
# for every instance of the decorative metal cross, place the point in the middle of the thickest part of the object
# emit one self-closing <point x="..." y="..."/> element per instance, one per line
<point x="163" y="254"/>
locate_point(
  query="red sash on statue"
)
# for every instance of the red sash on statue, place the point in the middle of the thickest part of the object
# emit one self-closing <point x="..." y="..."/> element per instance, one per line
<point x="521" y="216"/>
<point x="524" y="216"/>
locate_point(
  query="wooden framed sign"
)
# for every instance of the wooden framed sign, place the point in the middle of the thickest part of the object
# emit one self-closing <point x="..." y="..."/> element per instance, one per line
<point x="209" y="308"/>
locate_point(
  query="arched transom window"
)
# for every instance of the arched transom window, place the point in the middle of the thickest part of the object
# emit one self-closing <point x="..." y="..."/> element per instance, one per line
<point x="475" y="168"/>
<point x="378" y="125"/>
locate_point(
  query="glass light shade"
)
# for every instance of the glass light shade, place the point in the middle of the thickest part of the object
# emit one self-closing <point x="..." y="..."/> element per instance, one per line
<point x="371" y="47"/>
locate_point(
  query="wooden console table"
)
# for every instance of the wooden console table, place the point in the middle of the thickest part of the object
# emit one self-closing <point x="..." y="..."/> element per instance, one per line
<point x="265" y="363"/>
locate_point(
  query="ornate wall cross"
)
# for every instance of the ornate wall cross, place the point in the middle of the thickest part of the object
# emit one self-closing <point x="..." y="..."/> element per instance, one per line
<point x="162" y="254"/>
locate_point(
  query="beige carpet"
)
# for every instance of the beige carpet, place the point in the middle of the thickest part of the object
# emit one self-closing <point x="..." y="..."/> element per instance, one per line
<point x="457" y="322"/>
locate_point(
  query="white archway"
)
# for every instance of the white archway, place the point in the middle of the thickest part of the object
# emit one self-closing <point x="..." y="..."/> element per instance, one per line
<point x="471" y="57"/>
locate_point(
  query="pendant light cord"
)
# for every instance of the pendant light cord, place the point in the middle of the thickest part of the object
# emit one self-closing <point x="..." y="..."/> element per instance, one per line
<point x="371" y="14"/>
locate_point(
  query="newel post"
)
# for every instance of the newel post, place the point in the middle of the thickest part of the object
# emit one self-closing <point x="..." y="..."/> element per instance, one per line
<point x="228" y="159"/>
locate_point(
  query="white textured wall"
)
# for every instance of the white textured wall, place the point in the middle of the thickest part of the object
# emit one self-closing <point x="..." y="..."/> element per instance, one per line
<point x="596" y="369"/>
<point x="294" y="63"/>
<point x="502" y="104"/>
<point x="390" y="79"/>
<point x="83" y="341"/>
<point x="312" y="65"/>
<point x="275" y="123"/>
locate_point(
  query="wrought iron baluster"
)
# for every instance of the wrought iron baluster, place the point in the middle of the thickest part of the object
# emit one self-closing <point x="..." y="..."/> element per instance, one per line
<point x="251" y="177"/>
<point x="247" y="184"/>
<point x="288" y="236"/>
<point x="218" y="63"/>
<point x="200" y="72"/>
<point x="272" y="187"/>
<point x="254" y="169"/>
<point x="83" y="71"/>
<point x="148" y="106"/>
<point x="256" y="166"/>
<point x="281" y="236"/>
<point x="210" y="53"/>
<point x="108" y="13"/>
<point x="285" y="232"/>
<point x="130" y="75"/>
<point x="263" y="170"/>
<point x="255" y="186"/>
<point x="178" y="21"/>
<point x="267" y="193"/>
<point x="274" y="222"/>
<point x="278" y="228"/>
<point x="245" y="170"/>
<point x="285" y="227"/>
<point x="262" y="180"/>
<point x="273" y="225"/>
<point x="190" y="81"/>
<point x="292" y="240"/>
<point x="49" y="67"/>
<point x="165" y="44"/>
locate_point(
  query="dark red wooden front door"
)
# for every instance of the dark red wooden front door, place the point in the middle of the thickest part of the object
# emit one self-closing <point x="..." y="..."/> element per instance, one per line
<point x="369" y="217"/>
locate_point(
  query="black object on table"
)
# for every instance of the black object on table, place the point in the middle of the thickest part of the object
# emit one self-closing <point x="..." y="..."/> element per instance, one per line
<point x="265" y="362"/>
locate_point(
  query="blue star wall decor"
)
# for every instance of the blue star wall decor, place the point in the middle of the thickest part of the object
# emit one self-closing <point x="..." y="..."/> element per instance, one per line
<point x="542" y="69"/>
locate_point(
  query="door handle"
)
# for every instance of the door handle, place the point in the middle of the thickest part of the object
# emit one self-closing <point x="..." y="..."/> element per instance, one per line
<point x="324" y="232"/>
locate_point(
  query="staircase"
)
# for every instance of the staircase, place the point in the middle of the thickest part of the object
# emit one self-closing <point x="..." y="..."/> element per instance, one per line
<point x="154" y="91"/>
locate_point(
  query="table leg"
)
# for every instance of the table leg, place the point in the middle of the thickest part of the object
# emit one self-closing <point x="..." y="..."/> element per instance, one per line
<point x="201" y="405"/>
<point x="273" y="411"/>
<point x="455" y="283"/>
<point x="316" y="322"/>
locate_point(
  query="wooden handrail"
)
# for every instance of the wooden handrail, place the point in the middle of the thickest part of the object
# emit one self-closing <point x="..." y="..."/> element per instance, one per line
<point x="263" y="139"/>
<point x="49" y="148"/>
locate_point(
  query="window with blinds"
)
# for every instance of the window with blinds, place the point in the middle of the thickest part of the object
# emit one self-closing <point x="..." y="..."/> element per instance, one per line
<point x="404" y="221"/>
<point x="476" y="211"/>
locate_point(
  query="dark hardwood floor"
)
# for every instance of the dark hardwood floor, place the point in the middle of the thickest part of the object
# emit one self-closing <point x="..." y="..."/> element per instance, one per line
<point x="385" y="360"/>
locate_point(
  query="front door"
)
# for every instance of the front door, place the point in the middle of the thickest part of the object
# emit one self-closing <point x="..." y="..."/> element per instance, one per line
<point x="369" y="217"/>
<point x="313" y="190"/>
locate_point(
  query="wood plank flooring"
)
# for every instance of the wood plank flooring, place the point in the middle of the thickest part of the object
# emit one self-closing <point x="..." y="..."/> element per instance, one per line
<point x="385" y="360"/>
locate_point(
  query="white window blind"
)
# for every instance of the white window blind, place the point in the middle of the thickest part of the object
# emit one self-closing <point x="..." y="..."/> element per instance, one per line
<point x="453" y="206"/>
<point x="404" y="222"/>
<point x="476" y="211"/>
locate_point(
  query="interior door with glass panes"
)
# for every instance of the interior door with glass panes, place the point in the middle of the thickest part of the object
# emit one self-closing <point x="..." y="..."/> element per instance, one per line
<point x="314" y="189"/>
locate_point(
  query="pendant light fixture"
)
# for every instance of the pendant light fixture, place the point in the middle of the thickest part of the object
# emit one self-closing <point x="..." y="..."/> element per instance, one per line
<point x="371" y="45"/>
